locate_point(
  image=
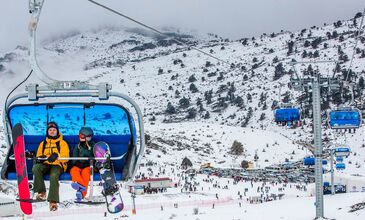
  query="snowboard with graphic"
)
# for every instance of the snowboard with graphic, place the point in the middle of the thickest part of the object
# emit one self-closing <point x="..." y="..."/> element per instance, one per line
<point x="21" y="169"/>
<point x="110" y="186"/>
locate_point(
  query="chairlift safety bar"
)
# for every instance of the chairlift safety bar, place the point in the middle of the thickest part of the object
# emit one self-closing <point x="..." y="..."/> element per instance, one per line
<point x="62" y="89"/>
<point x="12" y="157"/>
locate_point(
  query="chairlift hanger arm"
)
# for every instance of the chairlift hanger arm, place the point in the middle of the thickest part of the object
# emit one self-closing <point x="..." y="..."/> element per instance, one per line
<point x="300" y="83"/>
<point x="35" y="8"/>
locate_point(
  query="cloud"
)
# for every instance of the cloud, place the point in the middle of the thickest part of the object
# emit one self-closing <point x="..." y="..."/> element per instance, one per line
<point x="228" y="18"/>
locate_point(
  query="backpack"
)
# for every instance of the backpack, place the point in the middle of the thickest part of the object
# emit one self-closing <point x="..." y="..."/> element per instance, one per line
<point x="57" y="146"/>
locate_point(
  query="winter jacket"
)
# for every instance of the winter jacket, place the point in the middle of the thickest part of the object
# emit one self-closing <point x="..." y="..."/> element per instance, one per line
<point x="82" y="150"/>
<point x="51" y="147"/>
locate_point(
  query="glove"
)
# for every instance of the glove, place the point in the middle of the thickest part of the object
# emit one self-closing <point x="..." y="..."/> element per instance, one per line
<point x="52" y="158"/>
<point x="41" y="161"/>
<point x="30" y="154"/>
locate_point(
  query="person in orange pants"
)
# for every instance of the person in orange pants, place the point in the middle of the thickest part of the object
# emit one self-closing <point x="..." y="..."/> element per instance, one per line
<point x="80" y="172"/>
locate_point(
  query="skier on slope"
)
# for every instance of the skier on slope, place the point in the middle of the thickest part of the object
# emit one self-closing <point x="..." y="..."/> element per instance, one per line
<point x="80" y="171"/>
<point x="50" y="149"/>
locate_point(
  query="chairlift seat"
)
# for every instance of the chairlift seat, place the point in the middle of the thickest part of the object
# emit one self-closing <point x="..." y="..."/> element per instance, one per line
<point x="340" y="166"/>
<point x="120" y="138"/>
<point x="118" y="145"/>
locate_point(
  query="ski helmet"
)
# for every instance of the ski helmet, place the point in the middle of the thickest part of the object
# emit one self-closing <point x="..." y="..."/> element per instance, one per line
<point x="86" y="132"/>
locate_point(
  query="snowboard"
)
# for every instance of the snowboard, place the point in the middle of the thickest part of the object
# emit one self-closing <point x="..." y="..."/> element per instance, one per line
<point x="110" y="186"/>
<point x="21" y="169"/>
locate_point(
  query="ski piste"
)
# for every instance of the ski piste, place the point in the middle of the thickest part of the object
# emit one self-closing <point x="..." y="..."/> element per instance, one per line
<point x="21" y="169"/>
<point x="110" y="186"/>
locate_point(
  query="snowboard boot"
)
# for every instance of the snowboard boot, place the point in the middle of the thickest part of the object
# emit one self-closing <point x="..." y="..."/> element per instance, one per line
<point x="78" y="187"/>
<point x="53" y="206"/>
<point x="78" y="196"/>
<point x="41" y="196"/>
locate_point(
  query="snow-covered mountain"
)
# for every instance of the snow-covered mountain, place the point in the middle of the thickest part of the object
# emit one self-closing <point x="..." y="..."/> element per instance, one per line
<point x="204" y="102"/>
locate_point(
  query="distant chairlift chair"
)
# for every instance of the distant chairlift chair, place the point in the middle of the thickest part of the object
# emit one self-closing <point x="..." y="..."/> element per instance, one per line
<point x="287" y="115"/>
<point x="345" y="118"/>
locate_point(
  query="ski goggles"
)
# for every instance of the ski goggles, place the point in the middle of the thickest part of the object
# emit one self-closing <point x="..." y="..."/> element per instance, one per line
<point x="88" y="138"/>
<point x="52" y="124"/>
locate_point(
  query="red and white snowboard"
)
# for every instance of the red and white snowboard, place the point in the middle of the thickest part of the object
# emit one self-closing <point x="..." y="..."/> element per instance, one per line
<point x="21" y="169"/>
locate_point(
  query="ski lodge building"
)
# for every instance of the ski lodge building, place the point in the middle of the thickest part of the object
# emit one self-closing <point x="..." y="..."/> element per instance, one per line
<point x="164" y="182"/>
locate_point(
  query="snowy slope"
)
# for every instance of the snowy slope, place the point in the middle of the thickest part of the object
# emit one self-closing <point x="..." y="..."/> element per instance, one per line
<point x="111" y="55"/>
<point x="154" y="71"/>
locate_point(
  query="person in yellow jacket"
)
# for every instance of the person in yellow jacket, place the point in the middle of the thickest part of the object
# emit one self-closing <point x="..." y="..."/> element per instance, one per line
<point x="48" y="153"/>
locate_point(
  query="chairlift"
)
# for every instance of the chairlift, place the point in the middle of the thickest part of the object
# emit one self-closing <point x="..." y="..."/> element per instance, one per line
<point x="111" y="122"/>
<point x="340" y="166"/>
<point x="345" y="118"/>
<point x="339" y="159"/>
<point x="73" y="104"/>
<point x="287" y="115"/>
<point x="310" y="161"/>
<point x="342" y="152"/>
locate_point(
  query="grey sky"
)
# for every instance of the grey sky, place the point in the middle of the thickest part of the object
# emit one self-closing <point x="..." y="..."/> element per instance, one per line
<point x="228" y="18"/>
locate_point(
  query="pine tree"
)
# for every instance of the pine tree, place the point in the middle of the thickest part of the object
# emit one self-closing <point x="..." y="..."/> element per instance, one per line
<point x="244" y="164"/>
<point x="239" y="102"/>
<point x="193" y="88"/>
<point x="160" y="71"/>
<point x="316" y="42"/>
<point x="316" y="54"/>
<point x="237" y="148"/>
<point x="290" y="47"/>
<point x="192" y="78"/>
<point x="191" y="113"/>
<point x="208" y="95"/>
<point x="361" y="82"/>
<point x="304" y="54"/>
<point x="170" y="109"/>
<point x="279" y="71"/>
<point x="275" y="60"/>
<point x="207" y="115"/>
<point x="184" y="102"/>
<point x="307" y="43"/>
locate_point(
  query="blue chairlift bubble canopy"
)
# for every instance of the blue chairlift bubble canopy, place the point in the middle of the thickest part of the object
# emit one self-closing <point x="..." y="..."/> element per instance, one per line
<point x="286" y="114"/>
<point x="104" y="119"/>
<point x="340" y="166"/>
<point x="342" y="151"/>
<point x="345" y="118"/>
<point x="310" y="161"/>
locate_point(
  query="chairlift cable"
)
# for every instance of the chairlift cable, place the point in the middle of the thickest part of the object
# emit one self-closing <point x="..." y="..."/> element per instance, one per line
<point x="157" y="31"/>
<point x="356" y="41"/>
<point x="7" y="97"/>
